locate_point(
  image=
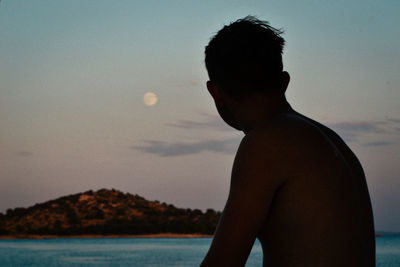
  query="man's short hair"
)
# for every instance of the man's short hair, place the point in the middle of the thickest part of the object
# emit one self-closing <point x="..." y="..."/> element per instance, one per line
<point x="245" y="54"/>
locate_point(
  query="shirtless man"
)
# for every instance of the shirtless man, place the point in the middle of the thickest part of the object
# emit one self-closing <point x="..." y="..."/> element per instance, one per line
<point x="296" y="186"/>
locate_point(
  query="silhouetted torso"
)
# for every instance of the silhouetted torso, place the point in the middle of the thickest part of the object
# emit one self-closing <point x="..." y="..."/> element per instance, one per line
<point x="321" y="215"/>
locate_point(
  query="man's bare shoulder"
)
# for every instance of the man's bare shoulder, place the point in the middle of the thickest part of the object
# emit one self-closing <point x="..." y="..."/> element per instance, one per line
<point x="287" y="133"/>
<point x="267" y="150"/>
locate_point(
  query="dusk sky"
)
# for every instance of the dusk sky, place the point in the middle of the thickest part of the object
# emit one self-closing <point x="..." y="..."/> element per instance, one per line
<point x="73" y="75"/>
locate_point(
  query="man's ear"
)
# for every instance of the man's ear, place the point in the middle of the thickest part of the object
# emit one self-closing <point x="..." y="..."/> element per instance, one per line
<point x="215" y="92"/>
<point x="285" y="79"/>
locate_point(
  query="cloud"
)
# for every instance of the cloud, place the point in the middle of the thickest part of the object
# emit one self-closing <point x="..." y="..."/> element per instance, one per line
<point x="354" y="131"/>
<point x="351" y="131"/>
<point x="357" y="127"/>
<point x="211" y="122"/>
<point x="191" y="124"/>
<point x="165" y="149"/>
<point x="378" y="143"/>
<point x="394" y="120"/>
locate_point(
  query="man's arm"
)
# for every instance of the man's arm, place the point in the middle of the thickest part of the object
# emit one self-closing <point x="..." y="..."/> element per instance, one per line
<point x="256" y="175"/>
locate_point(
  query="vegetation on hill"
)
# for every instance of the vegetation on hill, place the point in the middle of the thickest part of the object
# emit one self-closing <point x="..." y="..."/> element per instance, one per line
<point x="106" y="212"/>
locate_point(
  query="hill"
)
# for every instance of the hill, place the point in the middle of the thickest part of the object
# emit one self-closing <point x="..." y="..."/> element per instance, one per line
<point x="105" y="212"/>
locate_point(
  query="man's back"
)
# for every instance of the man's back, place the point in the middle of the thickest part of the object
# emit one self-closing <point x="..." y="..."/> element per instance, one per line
<point x="321" y="215"/>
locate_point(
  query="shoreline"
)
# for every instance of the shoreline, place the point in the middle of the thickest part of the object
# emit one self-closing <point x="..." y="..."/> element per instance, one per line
<point x="163" y="235"/>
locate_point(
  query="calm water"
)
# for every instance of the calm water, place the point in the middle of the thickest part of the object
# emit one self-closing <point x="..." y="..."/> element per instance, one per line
<point x="140" y="252"/>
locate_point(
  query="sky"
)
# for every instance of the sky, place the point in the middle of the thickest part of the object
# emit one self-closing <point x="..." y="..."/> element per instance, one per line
<point x="73" y="75"/>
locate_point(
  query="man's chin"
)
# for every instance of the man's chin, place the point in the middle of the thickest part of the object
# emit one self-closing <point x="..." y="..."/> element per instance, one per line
<point x="229" y="119"/>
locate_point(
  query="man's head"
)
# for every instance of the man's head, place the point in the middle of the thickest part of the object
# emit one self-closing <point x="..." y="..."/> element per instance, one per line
<point x="244" y="64"/>
<point x="246" y="55"/>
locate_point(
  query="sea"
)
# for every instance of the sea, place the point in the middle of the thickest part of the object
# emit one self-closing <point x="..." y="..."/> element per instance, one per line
<point x="142" y="252"/>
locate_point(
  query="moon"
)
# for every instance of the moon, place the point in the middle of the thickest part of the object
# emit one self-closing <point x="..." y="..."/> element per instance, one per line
<point x="150" y="99"/>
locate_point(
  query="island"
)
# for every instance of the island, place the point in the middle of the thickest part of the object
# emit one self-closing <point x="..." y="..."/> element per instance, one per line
<point x="106" y="213"/>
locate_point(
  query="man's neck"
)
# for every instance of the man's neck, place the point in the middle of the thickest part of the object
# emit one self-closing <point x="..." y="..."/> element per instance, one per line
<point x="261" y="115"/>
